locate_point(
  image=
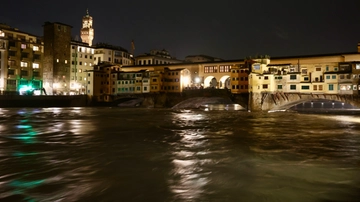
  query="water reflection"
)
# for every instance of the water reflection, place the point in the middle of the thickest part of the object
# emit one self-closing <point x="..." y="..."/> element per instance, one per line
<point x="32" y="165"/>
<point x="188" y="177"/>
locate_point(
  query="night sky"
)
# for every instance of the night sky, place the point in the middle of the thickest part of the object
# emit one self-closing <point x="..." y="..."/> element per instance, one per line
<point x="225" y="29"/>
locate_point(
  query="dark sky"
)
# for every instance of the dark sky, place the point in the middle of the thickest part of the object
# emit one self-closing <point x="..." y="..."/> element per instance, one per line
<point x="227" y="29"/>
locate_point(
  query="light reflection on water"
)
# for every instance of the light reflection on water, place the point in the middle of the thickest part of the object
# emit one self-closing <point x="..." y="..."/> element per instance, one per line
<point x="113" y="154"/>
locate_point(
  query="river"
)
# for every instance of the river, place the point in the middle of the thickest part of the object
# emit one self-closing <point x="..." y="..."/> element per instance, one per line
<point x="137" y="154"/>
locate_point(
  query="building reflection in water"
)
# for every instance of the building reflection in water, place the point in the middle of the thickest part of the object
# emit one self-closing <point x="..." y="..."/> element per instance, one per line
<point x="31" y="159"/>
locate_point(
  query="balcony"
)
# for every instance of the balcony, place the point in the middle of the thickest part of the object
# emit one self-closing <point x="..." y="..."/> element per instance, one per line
<point x="12" y="77"/>
<point x="26" y="59"/>
<point x="37" y="52"/>
<point x="13" y="58"/>
<point x="12" y="48"/>
<point x="26" y="50"/>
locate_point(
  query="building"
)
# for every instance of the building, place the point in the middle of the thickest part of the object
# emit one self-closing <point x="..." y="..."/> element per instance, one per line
<point x="316" y="74"/>
<point x="112" y="54"/>
<point x="201" y="58"/>
<point x="102" y="81"/>
<point x="156" y="57"/>
<point x="175" y="80"/>
<point x="239" y="79"/>
<point x="82" y="61"/>
<point x="87" y="30"/>
<point x="21" y="61"/>
<point x="56" y="74"/>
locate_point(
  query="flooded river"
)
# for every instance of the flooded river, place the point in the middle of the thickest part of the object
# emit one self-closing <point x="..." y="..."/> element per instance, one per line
<point x="114" y="154"/>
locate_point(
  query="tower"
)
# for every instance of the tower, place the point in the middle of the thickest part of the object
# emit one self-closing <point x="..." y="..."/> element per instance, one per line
<point x="56" y="62"/>
<point x="87" y="31"/>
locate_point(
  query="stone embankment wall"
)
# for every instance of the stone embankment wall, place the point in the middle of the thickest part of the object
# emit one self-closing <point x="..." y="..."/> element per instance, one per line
<point x="43" y="101"/>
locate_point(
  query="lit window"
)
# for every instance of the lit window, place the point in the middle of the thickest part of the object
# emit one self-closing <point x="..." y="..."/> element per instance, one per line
<point x="23" y="46"/>
<point x="65" y="61"/>
<point x="35" y="66"/>
<point x="57" y="60"/>
<point x="23" y="64"/>
<point x="2" y="34"/>
<point x="90" y="64"/>
<point x="35" y="48"/>
<point x="85" y="63"/>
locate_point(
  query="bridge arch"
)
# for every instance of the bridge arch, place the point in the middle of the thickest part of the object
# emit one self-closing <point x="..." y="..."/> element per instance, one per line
<point x="224" y="82"/>
<point x="210" y="82"/>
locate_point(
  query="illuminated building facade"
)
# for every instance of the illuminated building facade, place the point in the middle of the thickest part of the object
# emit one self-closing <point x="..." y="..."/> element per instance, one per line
<point x="82" y="61"/>
<point x="102" y="81"/>
<point x="112" y="54"/>
<point x="21" y="61"/>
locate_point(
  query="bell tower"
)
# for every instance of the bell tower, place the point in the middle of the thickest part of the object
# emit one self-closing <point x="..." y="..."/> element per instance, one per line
<point x="87" y="31"/>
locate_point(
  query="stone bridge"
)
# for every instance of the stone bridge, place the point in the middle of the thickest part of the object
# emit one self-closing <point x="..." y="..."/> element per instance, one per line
<point x="281" y="101"/>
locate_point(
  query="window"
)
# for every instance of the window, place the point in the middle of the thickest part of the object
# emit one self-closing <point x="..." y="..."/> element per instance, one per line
<point x="57" y="60"/>
<point x="256" y="67"/>
<point x="357" y="66"/>
<point x="11" y="72"/>
<point x="266" y="77"/>
<point x="354" y="87"/>
<point x="315" y="87"/>
<point x="36" y="74"/>
<point x="35" y="48"/>
<point x="327" y="76"/>
<point x="23" y="46"/>
<point x="331" y="86"/>
<point x="305" y="87"/>
<point x="265" y="86"/>
<point x="35" y="65"/>
<point x="318" y="69"/>
<point x="65" y="61"/>
<point x="306" y="78"/>
<point x="24" y="73"/>
<point x="23" y="64"/>
<point x="320" y="87"/>
<point x="292" y="77"/>
<point x="327" y="68"/>
<point x="303" y="71"/>
<point x="279" y="87"/>
<point x="333" y="76"/>
<point x="292" y="87"/>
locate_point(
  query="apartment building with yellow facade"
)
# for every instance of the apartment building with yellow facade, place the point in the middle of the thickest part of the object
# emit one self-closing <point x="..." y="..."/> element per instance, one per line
<point x="315" y="74"/>
<point x="21" y="61"/>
